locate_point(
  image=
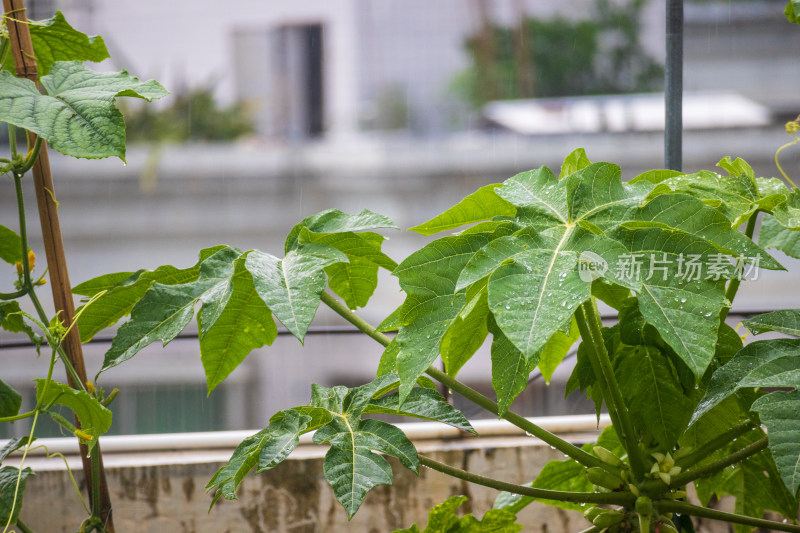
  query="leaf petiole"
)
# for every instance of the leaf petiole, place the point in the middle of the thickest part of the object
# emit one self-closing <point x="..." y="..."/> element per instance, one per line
<point x="589" y="323"/>
<point x="521" y="422"/>
<point x="613" y="498"/>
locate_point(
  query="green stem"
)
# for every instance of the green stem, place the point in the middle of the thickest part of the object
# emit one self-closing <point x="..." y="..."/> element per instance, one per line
<point x="23" y="234"/>
<point x="593" y="529"/>
<point x="345" y="312"/>
<point x="18" y="417"/>
<point x="714" y="444"/>
<point x="26" y="166"/>
<point x="28" y="284"/>
<point x="733" y="285"/>
<point x="589" y="324"/>
<point x="777" y="164"/>
<point x="12" y="141"/>
<point x="22" y="527"/>
<point x="96" y="507"/>
<point x="694" y="510"/>
<point x="711" y="468"/>
<point x="612" y="498"/>
<point x="476" y="397"/>
<point x="13" y="295"/>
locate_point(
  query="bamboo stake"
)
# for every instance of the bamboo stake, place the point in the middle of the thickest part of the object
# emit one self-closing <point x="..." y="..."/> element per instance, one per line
<point x="25" y="63"/>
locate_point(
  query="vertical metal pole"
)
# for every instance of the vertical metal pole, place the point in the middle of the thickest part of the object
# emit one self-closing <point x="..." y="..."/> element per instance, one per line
<point x="673" y="92"/>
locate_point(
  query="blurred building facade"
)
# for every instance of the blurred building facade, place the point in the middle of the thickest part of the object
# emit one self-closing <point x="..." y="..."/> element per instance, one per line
<point x="332" y="72"/>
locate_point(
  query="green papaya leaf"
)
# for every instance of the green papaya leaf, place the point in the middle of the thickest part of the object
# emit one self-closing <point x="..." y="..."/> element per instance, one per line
<point x="10" y="246"/>
<point x="443" y="519"/>
<point x="656" y="176"/>
<point x="736" y="195"/>
<point x="432" y="304"/>
<point x="94" y="417"/>
<point x="291" y="286"/>
<point x="493" y="521"/>
<point x="652" y="392"/>
<point x="771" y="235"/>
<point x="356" y="280"/>
<point x="335" y="221"/>
<point x="423" y="403"/>
<point x="10" y="400"/>
<point x="466" y="333"/>
<point x="787" y="213"/>
<point x="556" y="349"/>
<point x="768" y="363"/>
<point x="483" y="204"/>
<point x="615" y="296"/>
<point x="244" y="324"/>
<point x="351" y="467"/>
<point x="10" y="495"/>
<point x="675" y="298"/>
<point x="575" y="161"/>
<point x="783" y="321"/>
<point x="686" y="213"/>
<point x="165" y="310"/>
<point x="265" y="449"/>
<point x="55" y="40"/>
<point x="510" y="369"/>
<point x="778" y="412"/>
<point x="124" y="289"/>
<point x="78" y="115"/>
<point x="755" y="483"/>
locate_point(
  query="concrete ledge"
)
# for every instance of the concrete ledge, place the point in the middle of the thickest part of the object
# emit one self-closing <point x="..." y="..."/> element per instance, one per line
<point x="157" y="484"/>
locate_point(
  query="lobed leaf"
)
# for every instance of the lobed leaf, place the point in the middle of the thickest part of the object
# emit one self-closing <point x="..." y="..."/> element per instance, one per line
<point x="291" y="286"/>
<point x="335" y="221"/>
<point x="244" y="324"/>
<point x="483" y="204"/>
<point x="13" y="319"/>
<point x="165" y="310"/>
<point x="783" y="321"/>
<point x="124" y="289"/>
<point x="10" y="400"/>
<point x="265" y="449"/>
<point x="423" y="403"/>
<point x="78" y="115"/>
<point x="755" y="483"/>
<point x="443" y="519"/>
<point x="13" y="445"/>
<point x="575" y="161"/>
<point x="679" y="306"/>
<point x="772" y="235"/>
<point x="778" y="412"/>
<point x="55" y="40"/>
<point x="356" y="280"/>
<point x="652" y="393"/>
<point x="94" y="417"/>
<point x="432" y="303"/>
<point x="10" y="246"/>
<point x="10" y="496"/>
<point x="768" y="363"/>
<point x="350" y="466"/>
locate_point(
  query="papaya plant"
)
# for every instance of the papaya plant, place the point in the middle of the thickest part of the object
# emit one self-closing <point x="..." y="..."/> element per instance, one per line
<point x="525" y="261"/>
<point x="528" y="263"/>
